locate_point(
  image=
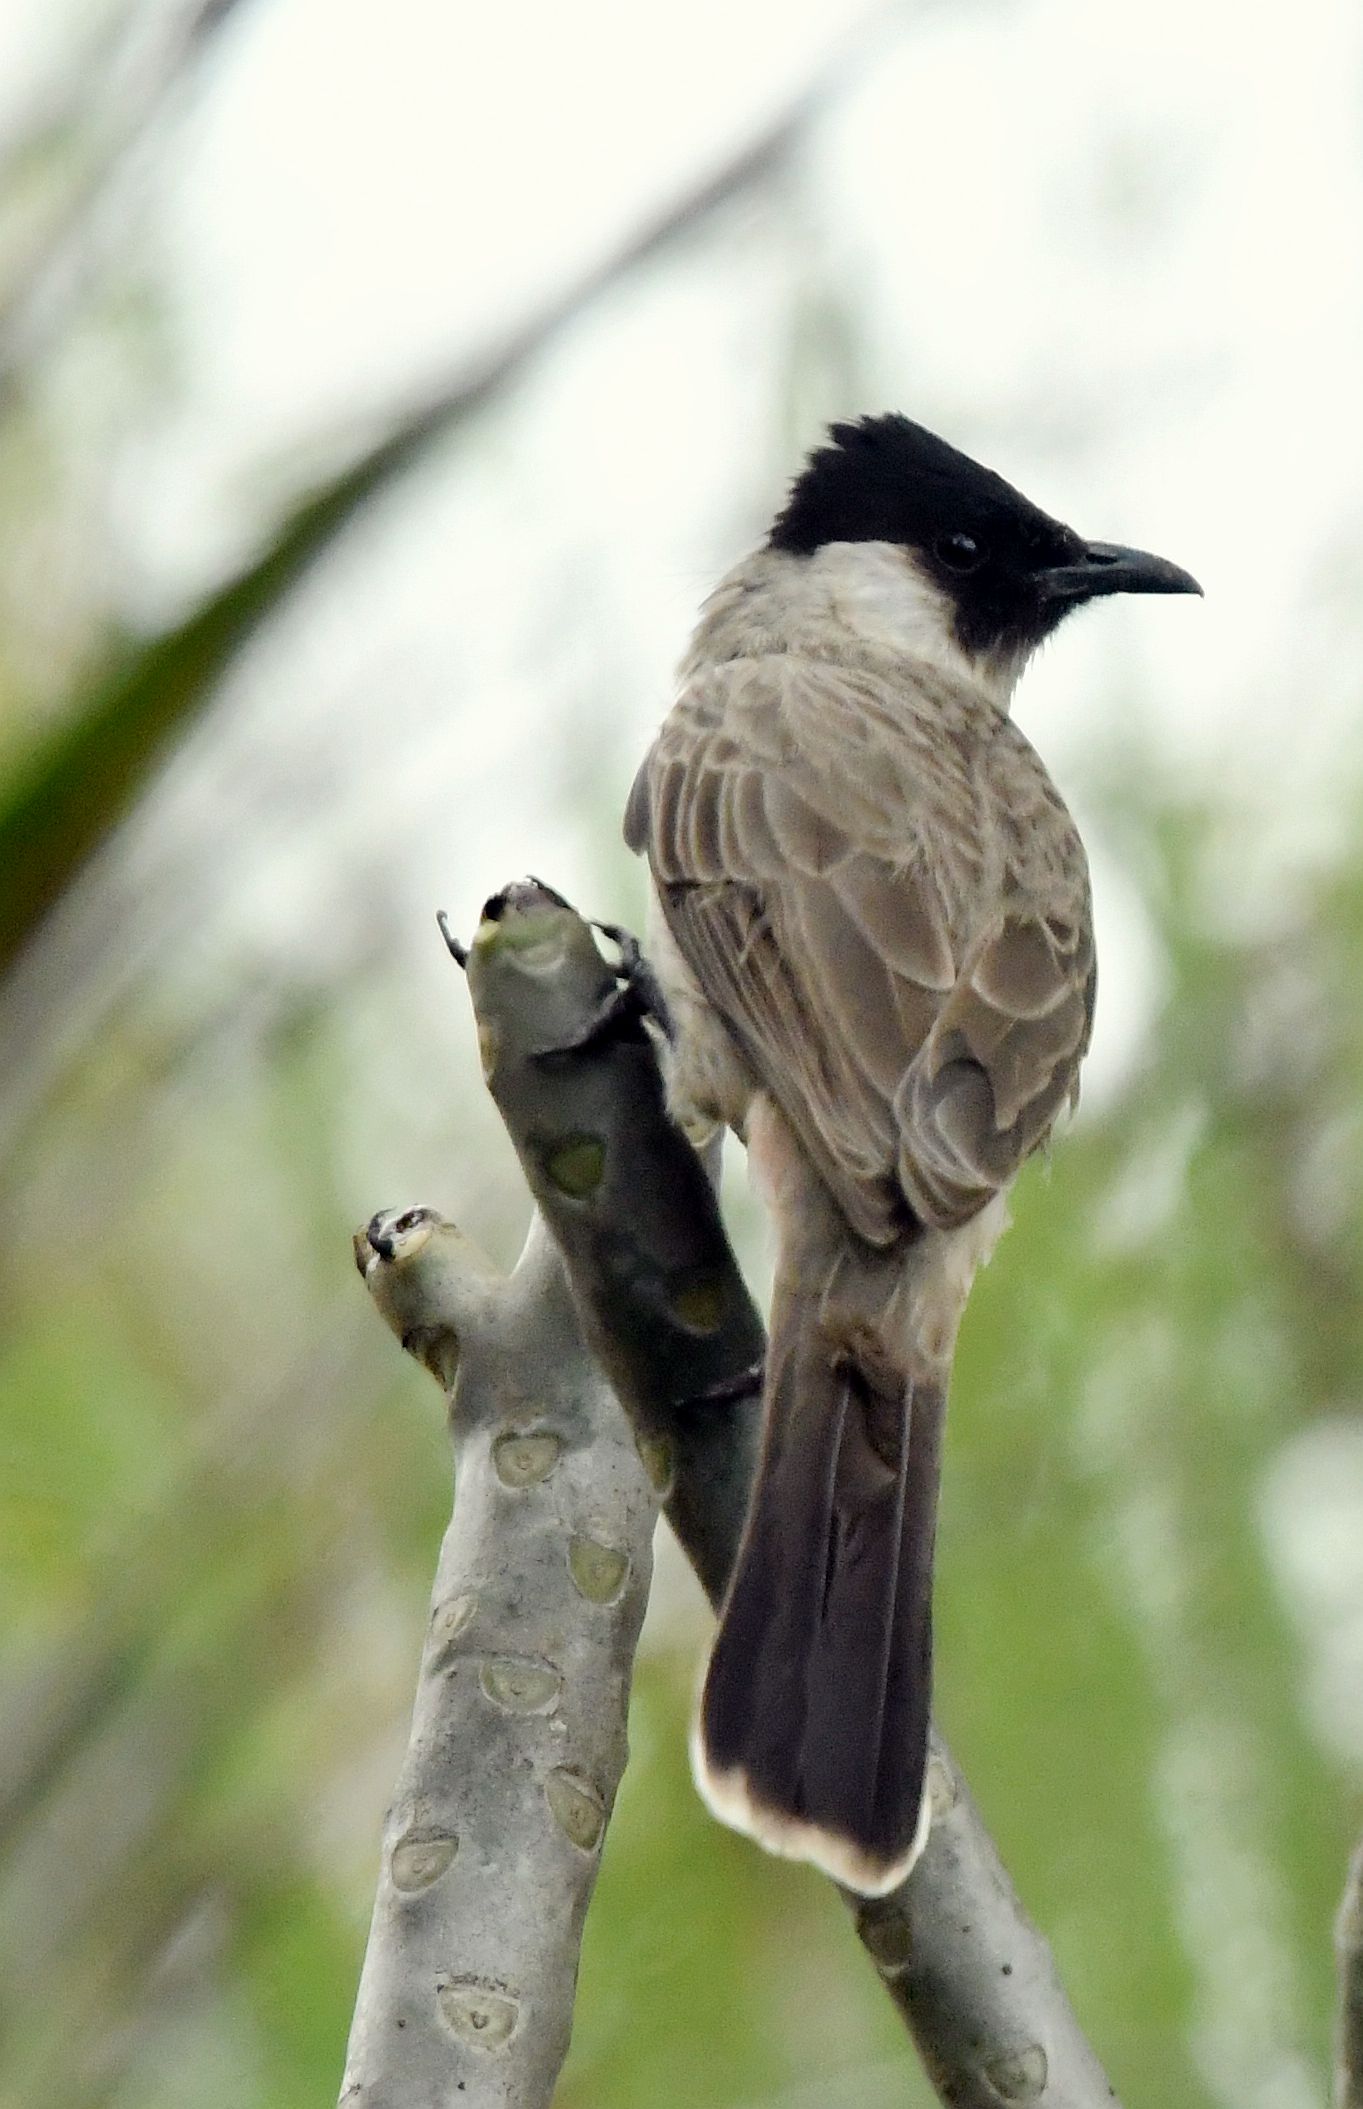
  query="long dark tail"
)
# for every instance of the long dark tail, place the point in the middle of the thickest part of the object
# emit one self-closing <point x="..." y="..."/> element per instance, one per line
<point x="813" y="1728"/>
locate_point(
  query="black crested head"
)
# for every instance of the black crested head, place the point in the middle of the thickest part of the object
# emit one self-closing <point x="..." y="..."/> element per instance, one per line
<point x="1009" y="571"/>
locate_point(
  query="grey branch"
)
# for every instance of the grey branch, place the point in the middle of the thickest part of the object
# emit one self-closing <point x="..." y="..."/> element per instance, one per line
<point x="1349" y="1958"/>
<point x="574" y="1074"/>
<point x="493" y="1840"/>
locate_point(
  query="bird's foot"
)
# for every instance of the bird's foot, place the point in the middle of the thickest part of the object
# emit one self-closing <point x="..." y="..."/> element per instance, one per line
<point x="639" y="982"/>
<point x="637" y="995"/>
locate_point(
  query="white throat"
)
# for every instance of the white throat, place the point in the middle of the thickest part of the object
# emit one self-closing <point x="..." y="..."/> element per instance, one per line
<point x="878" y="591"/>
<point x="849" y="602"/>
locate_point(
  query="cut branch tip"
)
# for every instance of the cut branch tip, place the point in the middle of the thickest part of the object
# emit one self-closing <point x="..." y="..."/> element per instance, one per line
<point x="394" y="1234"/>
<point x="551" y="893"/>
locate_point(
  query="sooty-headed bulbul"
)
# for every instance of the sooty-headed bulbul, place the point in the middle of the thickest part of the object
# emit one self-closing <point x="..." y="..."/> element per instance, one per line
<point x="876" y="946"/>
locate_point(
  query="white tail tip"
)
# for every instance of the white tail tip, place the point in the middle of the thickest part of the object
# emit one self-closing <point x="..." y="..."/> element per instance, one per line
<point x="730" y="1797"/>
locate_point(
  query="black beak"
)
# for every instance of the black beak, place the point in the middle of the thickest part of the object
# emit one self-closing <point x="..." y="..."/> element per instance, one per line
<point x="1105" y="567"/>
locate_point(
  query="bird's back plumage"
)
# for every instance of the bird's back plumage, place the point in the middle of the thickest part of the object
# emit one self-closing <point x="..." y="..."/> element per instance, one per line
<point x="874" y="881"/>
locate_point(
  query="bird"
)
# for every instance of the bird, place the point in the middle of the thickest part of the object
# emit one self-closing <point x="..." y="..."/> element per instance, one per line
<point x="871" y="924"/>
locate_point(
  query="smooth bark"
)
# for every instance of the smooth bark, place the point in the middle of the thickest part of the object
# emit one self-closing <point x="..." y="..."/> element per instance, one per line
<point x="493" y="1840"/>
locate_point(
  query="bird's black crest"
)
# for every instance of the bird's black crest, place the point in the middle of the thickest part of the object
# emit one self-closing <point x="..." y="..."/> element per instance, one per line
<point x="885" y="479"/>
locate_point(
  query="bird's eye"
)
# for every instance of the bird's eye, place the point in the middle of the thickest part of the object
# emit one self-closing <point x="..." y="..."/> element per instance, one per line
<point x="959" y="552"/>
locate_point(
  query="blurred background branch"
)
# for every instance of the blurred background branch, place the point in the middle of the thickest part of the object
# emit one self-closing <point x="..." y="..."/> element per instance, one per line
<point x="118" y="86"/>
<point x="1349" y="1960"/>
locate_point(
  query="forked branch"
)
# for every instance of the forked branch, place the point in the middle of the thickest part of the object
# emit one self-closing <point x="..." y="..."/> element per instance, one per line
<point x="574" y="1074"/>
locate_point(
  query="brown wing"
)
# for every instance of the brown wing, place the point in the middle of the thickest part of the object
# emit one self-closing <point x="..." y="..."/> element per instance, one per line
<point x="887" y="903"/>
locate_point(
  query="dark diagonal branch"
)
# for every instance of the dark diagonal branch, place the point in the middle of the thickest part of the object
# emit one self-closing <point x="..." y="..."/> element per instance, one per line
<point x="664" y="1307"/>
<point x="104" y="133"/>
<point x="663" y="1302"/>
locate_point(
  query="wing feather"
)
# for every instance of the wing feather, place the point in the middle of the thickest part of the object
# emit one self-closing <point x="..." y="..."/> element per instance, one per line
<point x="878" y="888"/>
